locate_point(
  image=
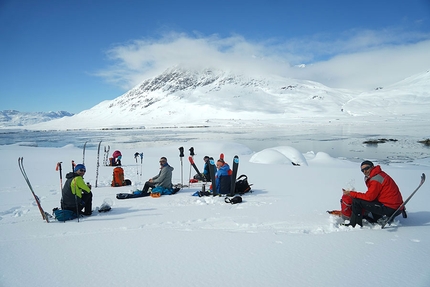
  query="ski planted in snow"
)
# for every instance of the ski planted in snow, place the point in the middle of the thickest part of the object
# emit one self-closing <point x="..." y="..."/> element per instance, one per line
<point x="388" y="221"/>
<point x="83" y="153"/>
<point x="98" y="162"/>
<point x="212" y="172"/>
<point x="192" y="154"/>
<point x="58" y="168"/>
<point x="45" y="215"/>
<point x="234" y="175"/>
<point x="106" y="156"/>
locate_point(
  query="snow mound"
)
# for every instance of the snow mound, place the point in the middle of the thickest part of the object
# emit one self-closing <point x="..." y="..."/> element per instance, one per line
<point x="279" y="155"/>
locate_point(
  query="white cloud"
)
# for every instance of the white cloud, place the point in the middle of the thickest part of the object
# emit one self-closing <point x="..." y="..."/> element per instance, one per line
<point x="357" y="59"/>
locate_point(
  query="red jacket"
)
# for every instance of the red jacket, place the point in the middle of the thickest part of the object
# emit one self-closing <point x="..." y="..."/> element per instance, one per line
<point x="380" y="187"/>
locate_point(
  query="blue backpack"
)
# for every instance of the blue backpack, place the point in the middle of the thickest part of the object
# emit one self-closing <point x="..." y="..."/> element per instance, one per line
<point x="64" y="214"/>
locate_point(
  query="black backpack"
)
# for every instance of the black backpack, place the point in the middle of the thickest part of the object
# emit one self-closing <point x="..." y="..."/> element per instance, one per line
<point x="242" y="185"/>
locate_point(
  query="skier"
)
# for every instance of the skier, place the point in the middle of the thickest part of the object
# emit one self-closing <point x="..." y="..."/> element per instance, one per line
<point x="163" y="179"/>
<point x="206" y="174"/>
<point x="223" y="177"/>
<point x="76" y="194"/>
<point x="382" y="197"/>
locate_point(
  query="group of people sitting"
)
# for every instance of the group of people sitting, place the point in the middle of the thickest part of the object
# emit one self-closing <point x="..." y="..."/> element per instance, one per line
<point x="382" y="197"/>
<point x="164" y="177"/>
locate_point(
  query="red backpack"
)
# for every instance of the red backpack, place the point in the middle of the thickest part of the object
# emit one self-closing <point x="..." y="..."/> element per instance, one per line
<point x="346" y="206"/>
<point x="118" y="177"/>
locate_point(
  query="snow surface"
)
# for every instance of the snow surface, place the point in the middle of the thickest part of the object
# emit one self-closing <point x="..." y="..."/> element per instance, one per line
<point x="280" y="235"/>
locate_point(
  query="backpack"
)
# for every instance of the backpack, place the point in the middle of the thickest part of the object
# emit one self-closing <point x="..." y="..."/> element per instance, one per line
<point x="63" y="214"/>
<point x="236" y="199"/>
<point x="346" y="206"/>
<point x="242" y="186"/>
<point x="118" y="177"/>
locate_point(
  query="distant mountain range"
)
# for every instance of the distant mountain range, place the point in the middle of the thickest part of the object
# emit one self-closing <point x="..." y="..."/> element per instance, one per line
<point x="184" y="97"/>
<point x="10" y="118"/>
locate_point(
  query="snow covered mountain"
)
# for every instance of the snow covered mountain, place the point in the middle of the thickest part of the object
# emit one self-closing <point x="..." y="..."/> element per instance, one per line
<point x="184" y="97"/>
<point x="10" y="118"/>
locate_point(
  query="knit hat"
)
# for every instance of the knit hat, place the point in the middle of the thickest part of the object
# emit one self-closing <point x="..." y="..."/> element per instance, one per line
<point x="79" y="166"/>
<point x="367" y="162"/>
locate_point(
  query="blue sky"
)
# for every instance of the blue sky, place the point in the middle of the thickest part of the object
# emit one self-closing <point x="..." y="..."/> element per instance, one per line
<point x="71" y="55"/>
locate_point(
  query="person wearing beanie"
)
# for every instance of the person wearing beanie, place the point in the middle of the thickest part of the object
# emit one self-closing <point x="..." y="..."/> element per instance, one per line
<point x="163" y="179"/>
<point x="116" y="158"/>
<point x="382" y="197"/>
<point x="223" y="177"/>
<point x="76" y="194"/>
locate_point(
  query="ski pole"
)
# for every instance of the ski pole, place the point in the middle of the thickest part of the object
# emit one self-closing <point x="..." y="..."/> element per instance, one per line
<point x="141" y="163"/>
<point x="191" y="155"/>
<point x="181" y="156"/>
<point x="73" y="165"/>
<point x="136" y="154"/>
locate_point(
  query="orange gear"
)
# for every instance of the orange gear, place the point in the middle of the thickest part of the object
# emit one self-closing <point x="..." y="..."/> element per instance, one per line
<point x="335" y="212"/>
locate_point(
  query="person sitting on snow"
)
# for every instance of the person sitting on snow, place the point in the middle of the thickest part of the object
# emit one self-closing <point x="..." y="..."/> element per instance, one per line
<point x="223" y="177"/>
<point x="206" y="176"/>
<point x="116" y="158"/>
<point x="382" y="197"/>
<point x="163" y="179"/>
<point x="76" y="194"/>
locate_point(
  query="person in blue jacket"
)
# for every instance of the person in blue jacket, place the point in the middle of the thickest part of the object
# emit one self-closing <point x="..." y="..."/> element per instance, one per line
<point x="223" y="177"/>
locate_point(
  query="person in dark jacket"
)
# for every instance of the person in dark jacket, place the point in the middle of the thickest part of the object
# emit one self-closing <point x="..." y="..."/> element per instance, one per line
<point x="163" y="179"/>
<point x="206" y="176"/>
<point x="76" y="194"/>
<point x="382" y="197"/>
<point x="223" y="177"/>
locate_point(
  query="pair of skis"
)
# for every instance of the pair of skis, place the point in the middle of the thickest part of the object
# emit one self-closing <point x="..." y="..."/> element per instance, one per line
<point x="98" y="159"/>
<point x="137" y="155"/>
<point x="106" y="155"/>
<point x="45" y="215"/>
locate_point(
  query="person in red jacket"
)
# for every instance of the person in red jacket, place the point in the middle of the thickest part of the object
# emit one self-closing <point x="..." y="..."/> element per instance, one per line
<point x="382" y="197"/>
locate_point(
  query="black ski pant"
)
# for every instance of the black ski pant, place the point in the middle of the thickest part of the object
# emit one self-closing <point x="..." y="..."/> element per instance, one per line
<point x="360" y="206"/>
<point x="147" y="186"/>
<point x="86" y="203"/>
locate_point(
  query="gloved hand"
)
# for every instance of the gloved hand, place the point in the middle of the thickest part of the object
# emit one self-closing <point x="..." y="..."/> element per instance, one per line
<point x="89" y="185"/>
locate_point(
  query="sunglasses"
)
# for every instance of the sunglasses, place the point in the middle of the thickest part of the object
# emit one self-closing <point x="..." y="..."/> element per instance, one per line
<point x="82" y="170"/>
<point x="366" y="168"/>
